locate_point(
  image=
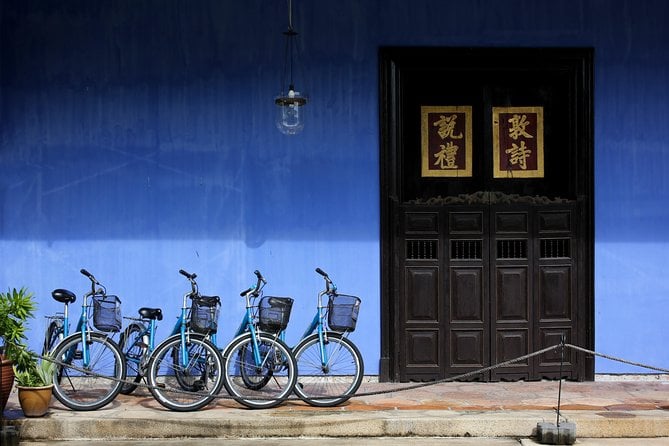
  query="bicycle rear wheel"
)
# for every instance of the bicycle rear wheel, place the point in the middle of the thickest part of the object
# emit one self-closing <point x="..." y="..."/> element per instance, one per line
<point x="332" y="383"/>
<point x="88" y="386"/>
<point x="241" y="369"/>
<point x="185" y="377"/>
<point x="52" y="336"/>
<point x="134" y="347"/>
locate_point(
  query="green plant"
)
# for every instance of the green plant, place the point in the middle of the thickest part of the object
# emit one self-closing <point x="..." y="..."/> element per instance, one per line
<point x="36" y="374"/>
<point x="16" y="307"/>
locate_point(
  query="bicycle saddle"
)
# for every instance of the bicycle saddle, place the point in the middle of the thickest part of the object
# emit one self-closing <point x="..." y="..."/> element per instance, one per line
<point x="63" y="296"/>
<point x="151" y="313"/>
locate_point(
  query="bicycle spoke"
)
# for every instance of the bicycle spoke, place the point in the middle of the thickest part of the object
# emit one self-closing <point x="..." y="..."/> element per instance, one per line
<point x="335" y="381"/>
<point x="82" y="386"/>
<point x="266" y="383"/>
<point x="189" y="386"/>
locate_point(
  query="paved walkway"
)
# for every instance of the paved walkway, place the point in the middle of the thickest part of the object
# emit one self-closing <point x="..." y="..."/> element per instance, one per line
<point x="612" y="409"/>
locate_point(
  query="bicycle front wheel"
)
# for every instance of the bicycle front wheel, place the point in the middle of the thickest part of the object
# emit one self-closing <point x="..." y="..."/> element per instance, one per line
<point x="331" y="379"/>
<point x="185" y="377"/>
<point x="90" y="374"/>
<point x="262" y="382"/>
<point x="134" y="347"/>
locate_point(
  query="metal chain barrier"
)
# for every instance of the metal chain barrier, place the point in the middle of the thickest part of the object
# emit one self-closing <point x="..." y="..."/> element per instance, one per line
<point x="464" y="375"/>
<point x="613" y="358"/>
<point x="396" y="389"/>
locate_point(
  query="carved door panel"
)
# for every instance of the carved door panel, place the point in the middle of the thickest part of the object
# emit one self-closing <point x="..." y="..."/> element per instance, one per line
<point x="511" y="284"/>
<point x="468" y="291"/>
<point x="422" y="333"/>
<point x="483" y="285"/>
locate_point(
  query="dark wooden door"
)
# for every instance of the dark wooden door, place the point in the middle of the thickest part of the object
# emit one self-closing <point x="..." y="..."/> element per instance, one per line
<point x="478" y="270"/>
<point x="486" y="284"/>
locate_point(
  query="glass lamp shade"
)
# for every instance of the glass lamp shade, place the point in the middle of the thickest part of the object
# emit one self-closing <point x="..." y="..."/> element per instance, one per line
<point x="290" y="113"/>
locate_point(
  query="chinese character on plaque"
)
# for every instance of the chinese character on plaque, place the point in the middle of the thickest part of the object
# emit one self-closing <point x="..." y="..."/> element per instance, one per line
<point x="446" y="137"/>
<point x="518" y="142"/>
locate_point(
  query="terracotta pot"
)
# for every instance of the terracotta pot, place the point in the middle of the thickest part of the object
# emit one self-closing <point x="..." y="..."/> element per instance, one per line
<point x="35" y="400"/>
<point x="7" y="375"/>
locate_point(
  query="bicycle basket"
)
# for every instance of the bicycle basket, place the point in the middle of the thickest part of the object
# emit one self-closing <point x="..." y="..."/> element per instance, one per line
<point x="204" y="314"/>
<point x="107" y="313"/>
<point x="274" y="313"/>
<point x="343" y="312"/>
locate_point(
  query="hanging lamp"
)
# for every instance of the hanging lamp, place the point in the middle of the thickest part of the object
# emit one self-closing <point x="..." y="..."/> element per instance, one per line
<point x="290" y="103"/>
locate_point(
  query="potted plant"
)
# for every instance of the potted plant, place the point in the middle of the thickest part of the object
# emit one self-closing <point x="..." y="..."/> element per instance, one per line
<point x="35" y="385"/>
<point x="16" y="307"/>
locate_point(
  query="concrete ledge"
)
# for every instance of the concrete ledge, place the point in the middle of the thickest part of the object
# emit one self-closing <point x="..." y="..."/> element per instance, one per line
<point x="483" y="410"/>
<point x="247" y="424"/>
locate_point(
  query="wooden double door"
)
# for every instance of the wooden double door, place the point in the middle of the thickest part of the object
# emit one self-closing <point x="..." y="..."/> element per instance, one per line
<point x="480" y="264"/>
<point x="484" y="284"/>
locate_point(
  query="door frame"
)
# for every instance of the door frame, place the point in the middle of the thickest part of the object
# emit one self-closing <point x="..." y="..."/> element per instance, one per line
<point x="394" y="63"/>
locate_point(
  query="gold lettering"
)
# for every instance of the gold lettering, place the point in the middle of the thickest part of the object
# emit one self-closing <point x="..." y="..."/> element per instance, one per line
<point x="519" y="155"/>
<point x="446" y="156"/>
<point x="518" y="125"/>
<point x="446" y="126"/>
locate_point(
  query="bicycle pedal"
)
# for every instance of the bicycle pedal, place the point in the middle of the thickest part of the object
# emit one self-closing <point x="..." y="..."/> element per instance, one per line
<point x="198" y="385"/>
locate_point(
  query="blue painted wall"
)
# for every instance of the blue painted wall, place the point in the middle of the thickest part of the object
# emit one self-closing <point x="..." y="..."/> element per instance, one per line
<point x="137" y="138"/>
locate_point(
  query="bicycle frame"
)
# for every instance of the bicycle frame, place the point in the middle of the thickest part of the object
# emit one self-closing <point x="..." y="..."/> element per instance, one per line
<point x="148" y="329"/>
<point x="317" y="323"/>
<point x="181" y="325"/>
<point x="82" y="326"/>
<point x="248" y="320"/>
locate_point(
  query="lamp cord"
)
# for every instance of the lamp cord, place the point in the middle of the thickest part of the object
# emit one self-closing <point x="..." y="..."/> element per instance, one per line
<point x="288" y="51"/>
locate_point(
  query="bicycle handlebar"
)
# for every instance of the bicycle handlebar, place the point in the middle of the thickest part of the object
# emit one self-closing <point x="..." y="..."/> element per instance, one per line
<point x="188" y="275"/>
<point x="259" y="276"/>
<point x="94" y="282"/>
<point x="255" y="289"/>
<point x="191" y="278"/>
<point x="329" y="284"/>
<point x="89" y="275"/>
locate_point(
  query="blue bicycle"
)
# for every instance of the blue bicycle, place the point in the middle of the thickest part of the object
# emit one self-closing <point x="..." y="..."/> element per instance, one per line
<point x="185" y="371"/>
<point x="259" y="368"/>
<point x="90" y="366"/>
<point x="330" y="365"/>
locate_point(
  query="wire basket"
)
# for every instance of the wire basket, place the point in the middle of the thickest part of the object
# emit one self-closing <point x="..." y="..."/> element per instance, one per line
<point x="274" y="313"/>
<point x="107" y="313"/>
<point x="343" y="312"/>
<point x="204" y="314"/>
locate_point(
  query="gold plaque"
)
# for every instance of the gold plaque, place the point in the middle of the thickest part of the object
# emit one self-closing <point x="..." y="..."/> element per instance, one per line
<point x="446" y="137"/>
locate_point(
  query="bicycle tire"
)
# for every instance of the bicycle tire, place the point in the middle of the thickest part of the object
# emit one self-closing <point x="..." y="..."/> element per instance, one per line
<point x="335" y="383"/>
<point x="276" y="358"/>
<point x="183" y="379"/>
<point x="134" y="348"/>
<point x="52" y="336"/>
<point x="91" y="387"/>
<point x="204" y="372"/>
<point x="252" y="380"/>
